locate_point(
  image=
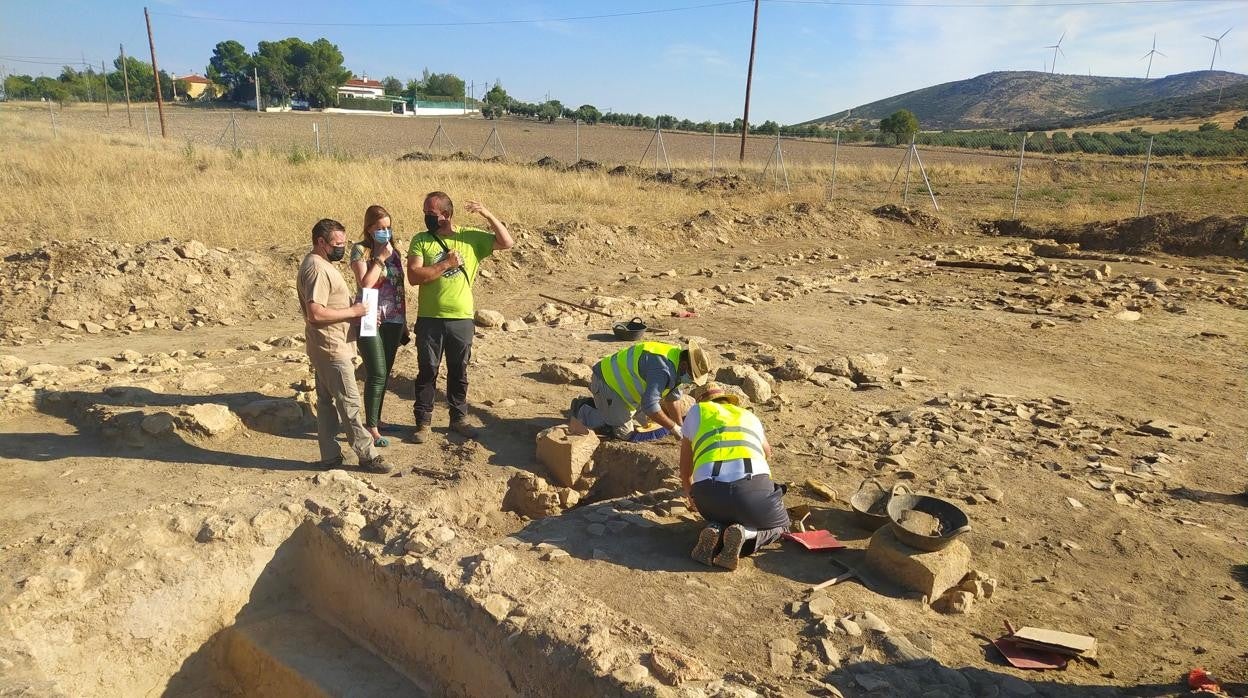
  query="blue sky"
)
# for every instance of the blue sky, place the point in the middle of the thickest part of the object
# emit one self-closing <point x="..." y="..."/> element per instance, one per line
<point x="813" y="59"/>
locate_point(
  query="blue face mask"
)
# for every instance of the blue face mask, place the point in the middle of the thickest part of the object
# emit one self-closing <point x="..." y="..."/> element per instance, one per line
<point x="382" y="236"/>
<point x="684" y="379"/>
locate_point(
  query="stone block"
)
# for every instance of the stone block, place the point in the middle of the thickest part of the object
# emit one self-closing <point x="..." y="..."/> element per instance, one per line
<point x="565" y="455"/>
<point x="927" y="573"/>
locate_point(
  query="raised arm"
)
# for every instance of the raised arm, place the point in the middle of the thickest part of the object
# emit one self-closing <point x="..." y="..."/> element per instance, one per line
<point x="502" y="236"/>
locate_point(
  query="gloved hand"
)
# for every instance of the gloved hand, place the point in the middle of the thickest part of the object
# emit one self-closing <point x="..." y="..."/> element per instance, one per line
<point x="677" y="432"/>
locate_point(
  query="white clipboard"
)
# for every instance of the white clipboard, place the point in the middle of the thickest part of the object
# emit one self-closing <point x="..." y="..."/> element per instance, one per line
<point x="368" y="323"/>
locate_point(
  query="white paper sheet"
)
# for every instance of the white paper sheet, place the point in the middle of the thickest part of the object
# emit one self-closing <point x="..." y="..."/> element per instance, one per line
<point x="368" y="323"/>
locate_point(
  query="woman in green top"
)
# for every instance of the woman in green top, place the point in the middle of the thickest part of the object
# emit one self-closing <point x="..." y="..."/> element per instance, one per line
<point x="377" y="264"/>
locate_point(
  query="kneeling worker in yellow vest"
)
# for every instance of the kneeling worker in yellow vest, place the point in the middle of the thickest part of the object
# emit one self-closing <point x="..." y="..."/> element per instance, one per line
<point x="644" y="381"/>
<point x="723" y="467"/>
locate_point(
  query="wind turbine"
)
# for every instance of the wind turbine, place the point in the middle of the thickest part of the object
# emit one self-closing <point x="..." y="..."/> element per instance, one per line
<point x="1149" y="56"/>
<point x="1058" y="48"/>
<point x="1217" y="45"/>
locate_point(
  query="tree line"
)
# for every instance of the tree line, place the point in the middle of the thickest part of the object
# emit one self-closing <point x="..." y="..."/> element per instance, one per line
<point x="89" y="84"/>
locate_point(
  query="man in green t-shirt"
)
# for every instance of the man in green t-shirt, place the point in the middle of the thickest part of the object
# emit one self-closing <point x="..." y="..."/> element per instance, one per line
<point x="443" y="263"/>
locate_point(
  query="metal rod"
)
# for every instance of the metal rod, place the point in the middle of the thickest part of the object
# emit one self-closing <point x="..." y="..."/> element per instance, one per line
<point x="578" y="139"/>
<point x="147" y="126"/>
<point x="125" y="76"/>
<point x="104" y="77"/>
<point x="647" y="150"/>
<point x="905" y="192"/>
<point x="1018" y="177"/>
<point x="151" y="43"/>
<point x="317" y="133"/>
<point x="783" y="169"/>
<point x="576" y="305"/>
<point x="749" y="79"/>
<point x="52" y="118"/>
<point x="836" y="151"/>
<point x="923" y="171"/>
<point x="234" y="130"/>
<point x="255" y="77"/>
<point x="1148" y="160"/>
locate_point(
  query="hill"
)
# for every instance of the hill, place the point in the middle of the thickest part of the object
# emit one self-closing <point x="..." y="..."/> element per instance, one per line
<point x="1198" y="106"/>
<point x="1011" y="98"/>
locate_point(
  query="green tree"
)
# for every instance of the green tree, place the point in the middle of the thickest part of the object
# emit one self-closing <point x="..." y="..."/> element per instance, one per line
<point x="392" y="85"/>
<point x="20" y="87"/>
<point x="549" y="111"/>
<point x="294" y="68"/>
<point x="902" y="124"/>
<point x="588" y="113"/>
<point x="496" y="102"/>
<point x="230" y="67"/>
<point x="442" y="85"/>
<point x="769" y="128"/>
<point x="141" y="89"/>
<point x="1208" y="126"/>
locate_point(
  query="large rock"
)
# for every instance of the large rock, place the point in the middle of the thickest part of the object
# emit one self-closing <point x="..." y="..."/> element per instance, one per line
<point x="10" y="364"/>
<point x="489" y="318"/>
<point x="277" y="415"/>
<point x="927" y="573"/>
<point x="529" y="495"/>
<point x="793" y="369"/>
<point x="751" y="382"/>
<point x="565" y="455"/>
<point x="1173" y="430"/>
<point x="565" y="373"/>
<point x="210" y="419"/>
<point x="193" y="249"/>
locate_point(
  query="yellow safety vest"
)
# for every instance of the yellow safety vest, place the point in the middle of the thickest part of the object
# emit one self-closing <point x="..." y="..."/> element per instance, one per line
<point x="725" y="432"/>
<point x="621" y="370"/>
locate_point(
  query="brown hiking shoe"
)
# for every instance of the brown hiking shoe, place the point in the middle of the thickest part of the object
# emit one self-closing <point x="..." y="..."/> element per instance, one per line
<point x="730" y="556"/>
<point x="377" y="465"/>
<point x="419" y="434"/>
<point x="464" y="429"/>
<point x="704" y="549"/>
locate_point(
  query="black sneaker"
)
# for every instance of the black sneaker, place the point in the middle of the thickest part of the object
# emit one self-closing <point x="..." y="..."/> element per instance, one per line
<point x="419" y="434"/>
<point x="376" y="465"/>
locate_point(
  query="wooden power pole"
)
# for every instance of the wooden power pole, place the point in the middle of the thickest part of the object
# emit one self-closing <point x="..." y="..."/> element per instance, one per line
<point x="160" y="102"/>
<point x="749" y="78"/>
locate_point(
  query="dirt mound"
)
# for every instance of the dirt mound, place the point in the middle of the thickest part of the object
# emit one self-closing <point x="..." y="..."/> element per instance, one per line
<point x="98" y="286"/>
<point x="910" y="216"/>
<point x="462" y="156"/>
<point x="417" y="155"/>
<point x="585" y="165"/>
<point x="729" y="182"/>
<point x="627" y="171"/>
<point x="1225" y="236"/>
<point x="548" y="161"/>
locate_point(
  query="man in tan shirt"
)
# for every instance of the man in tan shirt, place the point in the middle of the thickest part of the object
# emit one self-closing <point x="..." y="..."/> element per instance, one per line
<point x="330" y="330"/>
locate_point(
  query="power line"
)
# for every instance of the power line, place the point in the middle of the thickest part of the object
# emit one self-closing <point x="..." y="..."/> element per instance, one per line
<point x="68" y="61"/>
<point x="1042" y="3"/>
<point x="473" y="23"/>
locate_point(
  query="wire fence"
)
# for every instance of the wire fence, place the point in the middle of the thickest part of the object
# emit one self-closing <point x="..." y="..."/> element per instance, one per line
<point x="1000" y="176"/>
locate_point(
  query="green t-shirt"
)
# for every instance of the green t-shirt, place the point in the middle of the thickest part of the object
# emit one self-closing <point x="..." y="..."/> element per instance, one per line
<point x="451" y="295"/>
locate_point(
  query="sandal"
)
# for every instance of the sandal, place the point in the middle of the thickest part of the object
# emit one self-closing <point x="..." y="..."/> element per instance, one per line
<point x="381" y="442"/>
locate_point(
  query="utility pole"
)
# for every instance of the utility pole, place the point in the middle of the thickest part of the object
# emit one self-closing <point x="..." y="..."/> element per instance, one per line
<point x="125" y="76"/>
<point x="104" y="75"/>
<point x="749" y="78"/>
<point x="255" y="77"/>
<point x="151" y="43"/>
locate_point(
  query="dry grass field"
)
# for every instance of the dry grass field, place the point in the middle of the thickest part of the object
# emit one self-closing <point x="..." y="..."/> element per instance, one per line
<point x="359" y="148"/>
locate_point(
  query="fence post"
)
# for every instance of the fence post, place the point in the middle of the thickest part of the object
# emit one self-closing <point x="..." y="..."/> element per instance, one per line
<point x="234" y="130"/>
<point x="1148" y="159"/>
<point x="578" y="139"/>
<point x="52" y="118"/>
<point x="147" y="126"/>
<point x="316" y="132"/>
<point x="1018" y="177"/>
<point x="836" y="151"/>
<point x="714" y="134"/>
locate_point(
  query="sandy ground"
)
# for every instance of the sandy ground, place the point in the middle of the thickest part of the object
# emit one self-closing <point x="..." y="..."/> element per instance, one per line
<point x="1035" y="377"/>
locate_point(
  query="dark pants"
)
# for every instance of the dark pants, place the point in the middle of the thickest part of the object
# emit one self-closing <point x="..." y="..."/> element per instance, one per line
<point x="378" y="355"/>
<point x="435" y="337"/>
<point x="754" y="502"/>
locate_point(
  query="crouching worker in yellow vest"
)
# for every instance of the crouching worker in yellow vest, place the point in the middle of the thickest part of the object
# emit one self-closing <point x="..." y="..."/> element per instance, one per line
<point x="641" y="381"/>
<point x="723" y="467"/>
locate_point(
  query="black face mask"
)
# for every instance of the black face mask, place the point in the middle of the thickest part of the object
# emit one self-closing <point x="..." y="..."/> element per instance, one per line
<point x="431" y="222"/>
<point x="337" y="253"/>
